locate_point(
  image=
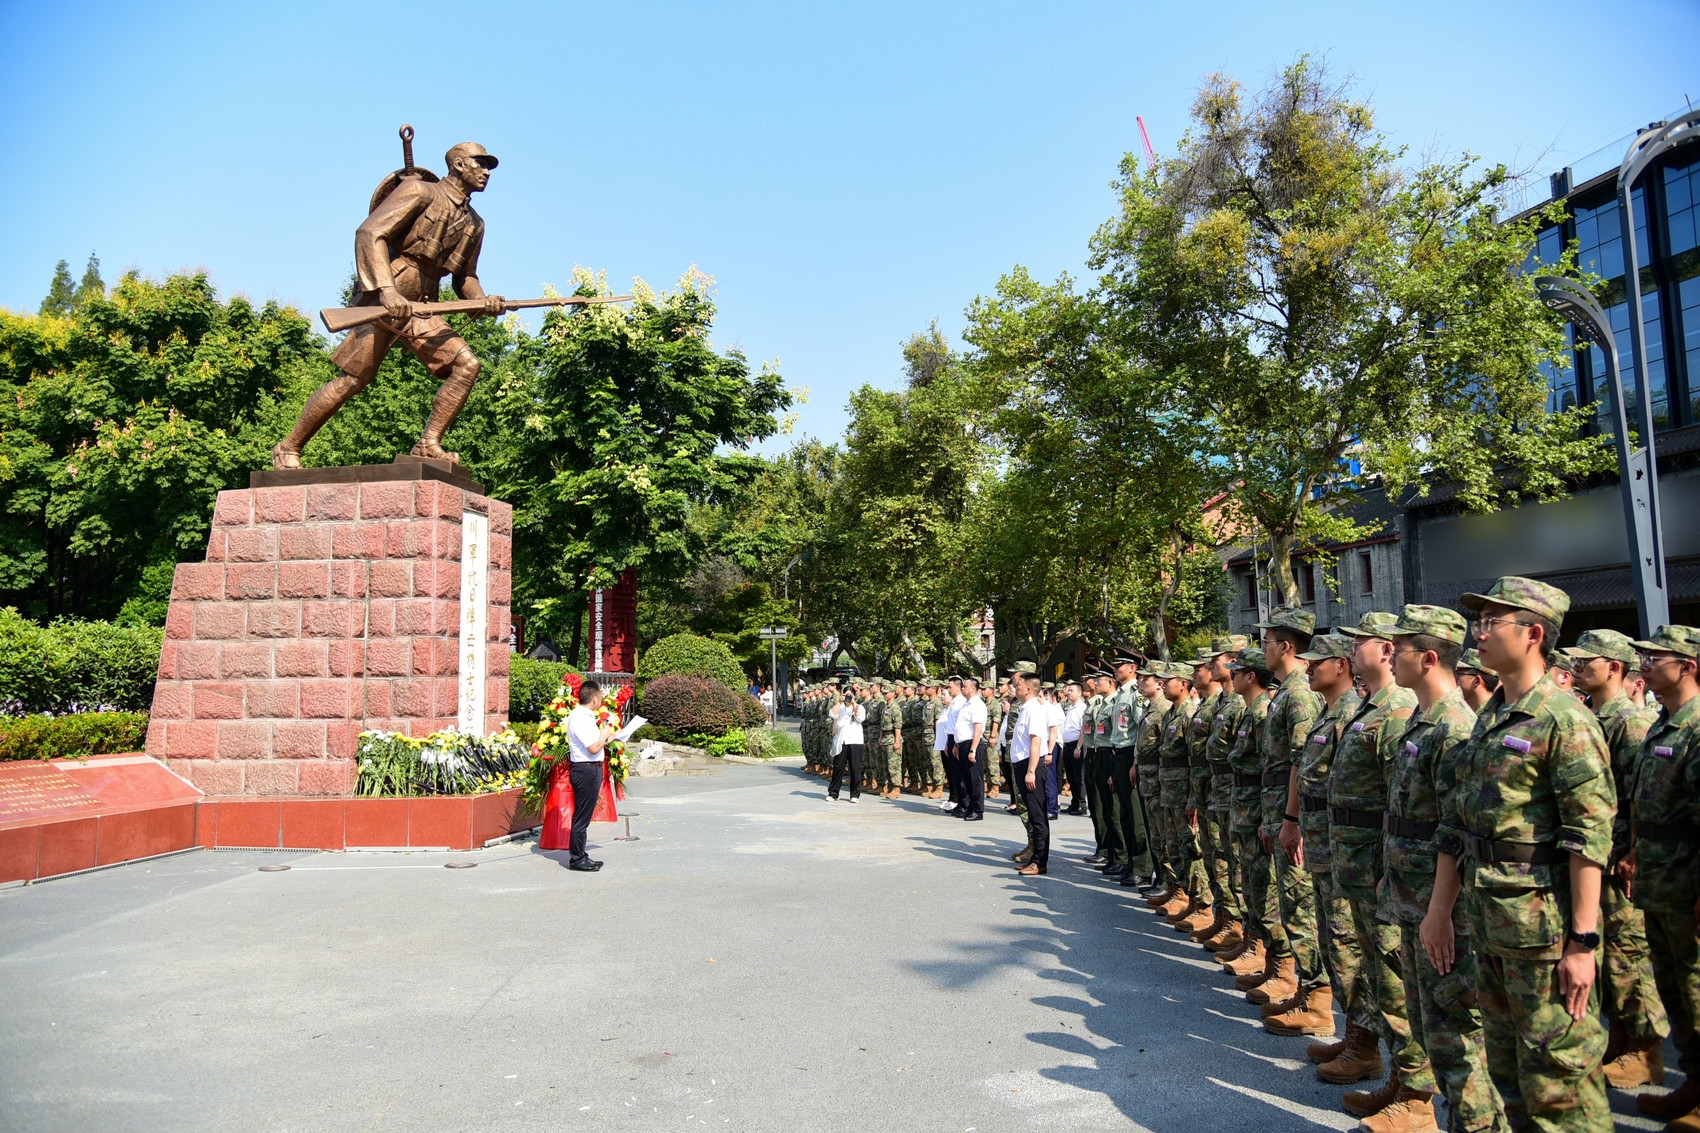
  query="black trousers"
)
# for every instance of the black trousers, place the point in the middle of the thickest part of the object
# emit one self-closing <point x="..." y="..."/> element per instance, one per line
<point x="586" y="779"/>
<point x="1038" y="818"/>
<point x="973" y="778"/>
<point x="952" y="772"/>
<point x="1074" y="771"/>
<point x="849" y="758"/>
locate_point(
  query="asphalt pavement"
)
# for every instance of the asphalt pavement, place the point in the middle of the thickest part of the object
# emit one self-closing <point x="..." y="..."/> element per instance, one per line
<point x="758" y="959"/>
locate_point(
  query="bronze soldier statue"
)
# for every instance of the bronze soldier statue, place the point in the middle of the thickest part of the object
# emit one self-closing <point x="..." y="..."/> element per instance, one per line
<point x="419" y="231"/>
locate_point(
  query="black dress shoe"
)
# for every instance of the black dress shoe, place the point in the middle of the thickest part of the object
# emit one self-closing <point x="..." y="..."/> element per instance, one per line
<point x="974" y="817"/>
<point x="1076" y="813"/>
<point x="585" y="867"/>
<point x="1095" y="859"/>
<point x="1131" y="880"/>
<point x="957" y="813"/>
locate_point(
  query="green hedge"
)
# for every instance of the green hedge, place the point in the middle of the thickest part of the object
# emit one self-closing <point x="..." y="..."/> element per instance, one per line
<point x="692" y="656"/>
<point x="60" y="737"/>
<point x="532" y="685"/>
<point x="685" y="705"/>
<point x="49" y="668"/>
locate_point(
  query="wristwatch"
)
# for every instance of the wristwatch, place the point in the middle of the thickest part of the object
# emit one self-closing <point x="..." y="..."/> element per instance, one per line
<point x="1589" y="940"/>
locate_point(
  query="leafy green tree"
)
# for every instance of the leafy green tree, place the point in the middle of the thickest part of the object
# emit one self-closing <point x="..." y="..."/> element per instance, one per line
<point x="1332" y="313"/>
<point x="61" y="293"/>
<point x="119" y="426"/>
<point x="91" y="286"/>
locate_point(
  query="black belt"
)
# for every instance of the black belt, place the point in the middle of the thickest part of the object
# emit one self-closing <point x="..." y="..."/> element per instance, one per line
<point x="1241" y="779"/>
<point x="1523" y="853"/>
<point x="1346" y="816"/>
<point x="1274" y="778"/>
<point x="1172" y="764"/>
<point x="1408" y="827"/>
<point x="1309" y="804"/>
<point x="1220" y="767"/>
<point x="1661" y="832"/>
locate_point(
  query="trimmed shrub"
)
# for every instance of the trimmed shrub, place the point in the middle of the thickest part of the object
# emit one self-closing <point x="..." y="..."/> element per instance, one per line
<point x="684" y="705"/>
<point x="532" y="685"/>
<point x="750" y="712"/>
<point x="692" y="656"/>
<point x="62" y="737"/>
<point x="53" y="667"/>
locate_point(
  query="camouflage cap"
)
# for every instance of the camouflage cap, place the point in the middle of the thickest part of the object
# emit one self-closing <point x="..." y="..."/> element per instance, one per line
<point x="1251" y="657"/>
<point x="1202" y="658"/>
<point x="1327" y="645"/>
<point x="1228" y="643"/>
<point x="1027" y="668"/>
<point x="1431" y="621"/>
<point x="1181" y="670"/>
<point x="1048" y="684"/>
<point x="1562" y="663"/>
<point x="1472" y="660"/>
<point x="1607" y="643"/>
<point x="1290" y="617"/>
<point x="1376" y="623"/>
<point x="1684" y="641"/>
<point x="1519" y="593"/>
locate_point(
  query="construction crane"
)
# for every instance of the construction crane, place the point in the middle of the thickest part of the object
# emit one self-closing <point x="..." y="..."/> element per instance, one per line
<point x="1150" y="154"/>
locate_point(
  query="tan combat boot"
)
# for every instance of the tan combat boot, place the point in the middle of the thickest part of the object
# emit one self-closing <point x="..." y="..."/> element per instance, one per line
<point x="1203" y="917"/>
<point x="1211" y="928"/>
<point x="1642" y="1063"/>
<point x="1160" y="899"/>
<point x="1362" y="1103"/>
<point x="1178" y="915"/>
<point x="1359" y="1059"/>
<point x="1327" y="1052"/>
<point x="1282" y="1006"/>
<point x="1410" y="1111"/>
<point x="1227" y="937"/>
<point x="1179" y="902"/>
<point x="1247" y="957"/>
<point x="1311" y="1013"/>
<point x="1245" y="981"/>
<point x="1678" y="1103"/>
<point x="1284" y="984"/>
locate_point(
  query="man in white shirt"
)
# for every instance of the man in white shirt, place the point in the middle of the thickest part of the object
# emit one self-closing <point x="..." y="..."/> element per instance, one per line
<point x="1053" y="740"/>
<point x="971" y="748"/>
<point x="1073" y="759"/>
<point x="585" y="742"/>
<point x="847" y="720"/>
<point x="942" y="737"/>
<point x="1027" y="749"/>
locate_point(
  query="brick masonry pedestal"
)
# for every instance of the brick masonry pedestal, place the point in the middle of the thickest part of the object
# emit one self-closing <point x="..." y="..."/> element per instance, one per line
<point x="323" y="610"/>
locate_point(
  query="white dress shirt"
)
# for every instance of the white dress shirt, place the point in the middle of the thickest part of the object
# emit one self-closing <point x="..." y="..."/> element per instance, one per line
<point x="582" y="731"/>
<point x="848" y="723"/>
<point x="1074" y="715"/>
<point x="971" y="713"/>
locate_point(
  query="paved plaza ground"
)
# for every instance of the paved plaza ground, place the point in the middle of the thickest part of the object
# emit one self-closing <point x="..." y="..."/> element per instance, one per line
<point x="758" y="960"/>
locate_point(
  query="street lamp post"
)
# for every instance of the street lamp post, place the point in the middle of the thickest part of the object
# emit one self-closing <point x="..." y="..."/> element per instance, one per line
<point x="1636" y="467"/>
<point x="774" y="635"/>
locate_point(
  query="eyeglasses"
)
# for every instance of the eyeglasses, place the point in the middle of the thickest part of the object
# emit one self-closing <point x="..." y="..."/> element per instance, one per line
<point x="1652" y="660"/>
<point x="1487" y="624"/>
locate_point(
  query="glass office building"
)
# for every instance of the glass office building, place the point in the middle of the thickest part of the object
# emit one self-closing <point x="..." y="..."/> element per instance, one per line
<point x="1667" y="244"/>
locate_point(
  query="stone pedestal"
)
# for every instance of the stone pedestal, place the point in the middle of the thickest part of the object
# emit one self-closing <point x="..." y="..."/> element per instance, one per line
<point x="326" y="609"/>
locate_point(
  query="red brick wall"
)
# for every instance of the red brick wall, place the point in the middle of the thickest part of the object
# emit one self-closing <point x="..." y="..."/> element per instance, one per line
<point x="321" y="612"/>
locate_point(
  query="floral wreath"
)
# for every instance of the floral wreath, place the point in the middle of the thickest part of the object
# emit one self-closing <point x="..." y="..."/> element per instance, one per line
<point x="549" y="753"/>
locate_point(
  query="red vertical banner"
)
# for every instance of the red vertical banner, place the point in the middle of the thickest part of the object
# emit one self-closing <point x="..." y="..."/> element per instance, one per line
<point x="613" y="625"/>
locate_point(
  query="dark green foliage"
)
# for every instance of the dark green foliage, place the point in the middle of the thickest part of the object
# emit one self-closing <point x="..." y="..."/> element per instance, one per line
<point x="49" y="668"/>
<point x="62" y="737"/>
<point x="684" y="704"/>
<point x="750" y="712"/>
<point x="120" y="425"/>
<point x="61" y="293"/>
<point x="532" y="685"/>
<point x="691" y="655"/>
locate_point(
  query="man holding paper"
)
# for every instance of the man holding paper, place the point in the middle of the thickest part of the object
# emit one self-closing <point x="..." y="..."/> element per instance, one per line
<point x="585" y="741"/>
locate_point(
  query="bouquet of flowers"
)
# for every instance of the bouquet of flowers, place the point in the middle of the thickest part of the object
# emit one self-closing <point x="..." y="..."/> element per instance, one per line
<point x="442" y="763"/>
<point x="550" y="751"/>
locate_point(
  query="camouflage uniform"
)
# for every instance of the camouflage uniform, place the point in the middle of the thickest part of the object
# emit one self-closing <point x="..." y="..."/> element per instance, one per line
<point x="1342" y="958"/>
<point x="1257" y="867"/>
<point x="1534" y="783"/>
<point x="1151" y="729"/>
<point x="1665" y="801"/>
<point x="1198" y="794"/>
<point x="891" y="736"/>
<point x="1357" y="800"/>
<point x="990" y="752"/>
<point x="912" y="767"/>
<point x="1444" y="1018"/>
<point x="1174" y="753"/>
<point x="1292" y="711"/>
<point x="873" y="728"/>
<point x="932" y="767"/>
<point x="1221" y="854"/>
<point x="1627" y="988"/>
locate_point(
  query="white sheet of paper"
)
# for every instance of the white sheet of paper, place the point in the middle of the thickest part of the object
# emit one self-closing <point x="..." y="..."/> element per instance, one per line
<point x="625" y="733"/>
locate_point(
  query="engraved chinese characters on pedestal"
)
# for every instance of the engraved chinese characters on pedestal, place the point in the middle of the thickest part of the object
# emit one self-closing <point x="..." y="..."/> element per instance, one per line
<point x="474" y="628"/>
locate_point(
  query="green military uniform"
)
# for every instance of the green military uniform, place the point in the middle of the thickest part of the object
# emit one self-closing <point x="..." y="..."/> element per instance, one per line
<point x="1357" y="800"/>
<point x="1627" y="988"/>
<point x="1665" y="823"/>
<point x="1147" y="756"/>
<point x="1092" y="737"/>
<point x="1196" y="828"/>
<point x="991" y="753"/>
<point x="1342" y="960"/>
<point x="1257" y="865"/>
<point x="891" y="739"/>
<point x="1443" y="1015"/>
<point x="873" y="727"/>
<point x="1174" y="778"/>
<point x="1292" y="712"/>
<point x="932" y="767"/>
<point x="1127" y="834"/>
<point x="1530" y="789"/>
<point x="1215" y="822"/>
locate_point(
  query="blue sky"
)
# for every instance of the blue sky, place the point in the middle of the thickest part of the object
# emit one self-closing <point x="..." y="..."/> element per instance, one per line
<point x="846" y="173"/>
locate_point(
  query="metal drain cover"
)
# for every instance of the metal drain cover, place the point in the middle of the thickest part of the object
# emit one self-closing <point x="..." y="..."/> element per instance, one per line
<point x="273" y="868"/>
<point x="459" y="865"/>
